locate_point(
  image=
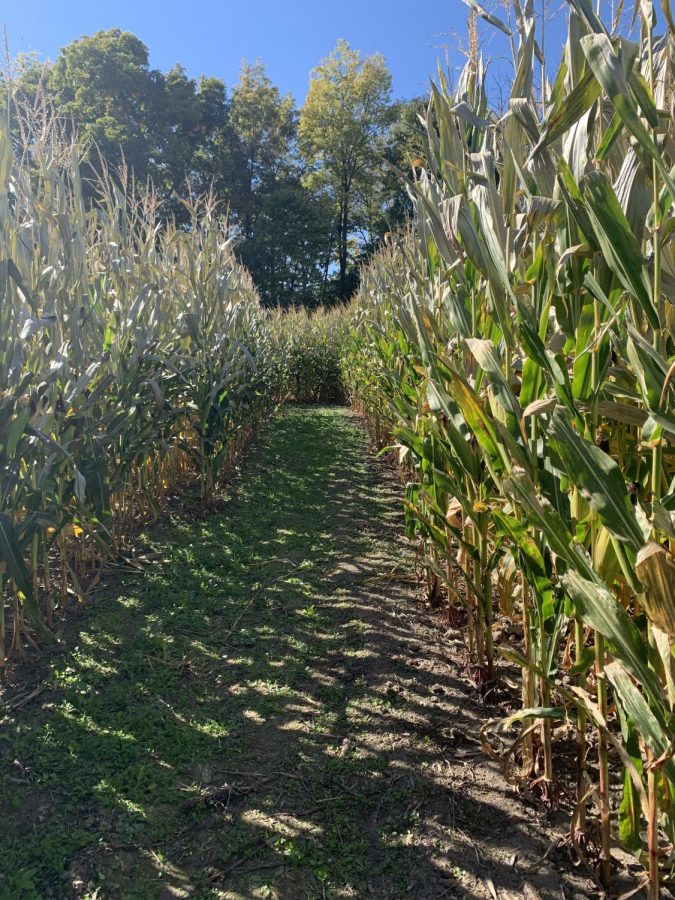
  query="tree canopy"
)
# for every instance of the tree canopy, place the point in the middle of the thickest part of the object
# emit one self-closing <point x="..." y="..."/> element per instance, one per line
<point x="342" y="134"/>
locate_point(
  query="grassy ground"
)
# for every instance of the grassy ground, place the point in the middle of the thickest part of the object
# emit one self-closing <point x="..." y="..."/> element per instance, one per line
<point x="251" y="717"/>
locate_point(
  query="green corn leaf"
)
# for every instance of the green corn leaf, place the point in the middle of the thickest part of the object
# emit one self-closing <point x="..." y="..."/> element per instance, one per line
<point x="617" y="241"/>
<point x="542" y="516"/>
<point x="586" y="11"/>
<point x="609" y="137"/>
<point x="602" y="611"/>
<point x="485" y="353"/>
<point x="476" y="418"/>
<point x="532" y="561"/>
<point x="598" y="477"/>
<point x="456" y="437"/>
<point x="551" y="363"/>
<point x="655" y="733"/>
<point x="640" y="89"/>
<point x="570" y="109"/>
<point x="649" y="366"/>
<point x="574" y="202"/>
<point x="464" y="112"/>
<point x="531" y="384"/>
<point x="10" y="554"/>
<point x="630" y="810"/>
<point x="610" y="72"/>
<point x="484" y="14"/>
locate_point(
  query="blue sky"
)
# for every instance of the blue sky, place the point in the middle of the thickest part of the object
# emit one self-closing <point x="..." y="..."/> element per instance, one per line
<point x="290" y="36"/>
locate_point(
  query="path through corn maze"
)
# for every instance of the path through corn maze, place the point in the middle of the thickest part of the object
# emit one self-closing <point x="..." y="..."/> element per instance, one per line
<point x="258" y="705"/>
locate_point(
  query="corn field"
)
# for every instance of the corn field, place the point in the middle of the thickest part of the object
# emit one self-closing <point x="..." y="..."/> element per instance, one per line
<point x="518" y="344"/>
<point x="312" y="343"/>
<point x="135" y="362"/>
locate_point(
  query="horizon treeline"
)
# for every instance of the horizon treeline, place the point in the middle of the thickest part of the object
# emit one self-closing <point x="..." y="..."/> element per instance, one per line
<point x="310" y="192"/>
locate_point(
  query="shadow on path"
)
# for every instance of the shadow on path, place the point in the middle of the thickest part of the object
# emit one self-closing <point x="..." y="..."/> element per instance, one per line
<point x="265" y="712"/>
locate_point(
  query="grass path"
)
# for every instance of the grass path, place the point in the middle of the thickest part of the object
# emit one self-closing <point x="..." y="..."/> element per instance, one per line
<point x="262" y="712"/>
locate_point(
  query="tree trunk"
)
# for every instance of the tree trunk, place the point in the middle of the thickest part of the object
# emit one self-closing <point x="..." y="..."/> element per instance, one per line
<point x="342" y="244"/>
<point x="324" y="277"/>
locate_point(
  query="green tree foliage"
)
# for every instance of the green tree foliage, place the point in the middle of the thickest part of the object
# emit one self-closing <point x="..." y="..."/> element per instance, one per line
<point x="289" y="251"/>
<point x="282" y="223"/>
<point x="191" y="133"/>
<point x="263" y="127"/>
<point x="342" y="132"/>
<point x="406" y="148"/>
<point x="104" y="84"/>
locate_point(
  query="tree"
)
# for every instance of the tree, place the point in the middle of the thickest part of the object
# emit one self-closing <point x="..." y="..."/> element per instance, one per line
<point x="281" y="222"/>
<point x="386" y="198"/>
<point x="105" y="85"/>
<point x="288" y="250"/>
<point x="192" y="139"/>
<point x="262" y="124"/>
<point x="180" y="128"/>
<point x="212" y="160"/>
<point x="342" y="132"/>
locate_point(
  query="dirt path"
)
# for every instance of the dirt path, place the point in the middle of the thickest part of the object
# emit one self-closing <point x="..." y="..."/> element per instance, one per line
<point x="266" y="712"/>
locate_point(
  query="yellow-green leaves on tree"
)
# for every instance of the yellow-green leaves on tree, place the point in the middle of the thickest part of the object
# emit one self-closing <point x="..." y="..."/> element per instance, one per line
<point x="340" y="132"/>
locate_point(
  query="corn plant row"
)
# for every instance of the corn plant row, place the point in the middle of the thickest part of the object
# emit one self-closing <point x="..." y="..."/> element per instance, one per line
<point x="519" y="345"/>
<point x="312" y="343"/>
<point x="135" y="362"/>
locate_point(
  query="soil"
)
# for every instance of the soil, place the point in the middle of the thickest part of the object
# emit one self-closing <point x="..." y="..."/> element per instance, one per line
<point x="267" y="709"/>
